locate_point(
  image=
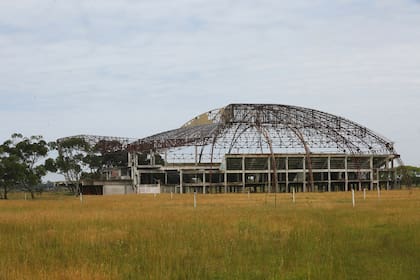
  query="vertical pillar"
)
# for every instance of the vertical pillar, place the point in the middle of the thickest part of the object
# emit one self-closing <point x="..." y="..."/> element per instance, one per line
<point x="304" y="174"/>
<point x="204" y="182"/>
<point x="181" y="179"/>
<point x="329" y="173"/>
<point x="195" y="155"/>
<point x="131" y="167"/>
<point x="269" y="174"/>
<point x="392" y="173"/>
<point x="133" y="164"/>
<point x="152" y="157"/>
<point x="387" y="173"/>
<point x="346" y="175"/>
<point x="287" y="174"/>
<point x="225" y="180"/>
<point x="225" y="174"/>
<point x="243" y="173"/>
<point x="371" y="173"/>
<point x="360" y="174"/>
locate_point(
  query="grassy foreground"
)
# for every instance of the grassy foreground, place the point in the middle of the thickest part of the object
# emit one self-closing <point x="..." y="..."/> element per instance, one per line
<point x="226" y="237"/>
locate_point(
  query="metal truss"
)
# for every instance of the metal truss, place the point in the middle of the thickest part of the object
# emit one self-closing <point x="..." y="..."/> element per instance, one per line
<point x="103" y="143"/>
<point x="239" y="127"/>
<point x="265" y="129"/>
<point x="255" y="129"/>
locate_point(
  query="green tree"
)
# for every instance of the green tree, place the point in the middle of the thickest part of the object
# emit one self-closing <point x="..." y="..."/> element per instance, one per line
<point x="110" y="154"/>
<point x="410" y="175"/>
<point x="12" y="173"/>
<point x="23" y="164"/>
<point x="72" y="161"/>
<point x="105" y="154"/>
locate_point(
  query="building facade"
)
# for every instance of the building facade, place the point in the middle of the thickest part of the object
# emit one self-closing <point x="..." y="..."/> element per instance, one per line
<point x="259" y="148"/>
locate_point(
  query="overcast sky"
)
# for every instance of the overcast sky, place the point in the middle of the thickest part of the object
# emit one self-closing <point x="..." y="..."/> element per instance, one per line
<point x="134" y="68"/>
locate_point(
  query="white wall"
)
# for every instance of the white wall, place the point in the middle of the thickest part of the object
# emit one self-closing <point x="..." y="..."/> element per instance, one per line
<point x="117" y="189"/>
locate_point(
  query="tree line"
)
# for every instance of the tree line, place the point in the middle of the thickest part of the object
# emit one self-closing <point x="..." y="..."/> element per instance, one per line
<point x="24" y="161"/>
<point x="410" y="175"/>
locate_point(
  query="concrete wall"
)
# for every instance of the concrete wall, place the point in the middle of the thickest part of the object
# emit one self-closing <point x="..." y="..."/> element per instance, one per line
<point x="117" y="189"/>
<point x="149" y="189"/>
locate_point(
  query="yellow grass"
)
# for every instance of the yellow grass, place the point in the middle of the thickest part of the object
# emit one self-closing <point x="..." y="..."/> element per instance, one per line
<point x="232" y="236"/>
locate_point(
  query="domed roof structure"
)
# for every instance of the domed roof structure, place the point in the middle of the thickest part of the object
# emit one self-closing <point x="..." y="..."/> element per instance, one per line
<point x="257" y="148"/>
<point x="264" y="129"/>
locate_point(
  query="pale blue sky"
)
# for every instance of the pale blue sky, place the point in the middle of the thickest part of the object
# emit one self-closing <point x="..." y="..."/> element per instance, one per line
<point x="133" y="68"/>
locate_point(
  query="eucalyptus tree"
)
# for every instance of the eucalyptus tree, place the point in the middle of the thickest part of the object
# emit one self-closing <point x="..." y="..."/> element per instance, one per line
<point x="24" y="162"/>
<point x="12" y="172"/>
<point x="72" y="161"/>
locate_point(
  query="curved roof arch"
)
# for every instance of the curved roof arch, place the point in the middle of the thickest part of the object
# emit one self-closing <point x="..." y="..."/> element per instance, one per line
<point x="267" y="128"/>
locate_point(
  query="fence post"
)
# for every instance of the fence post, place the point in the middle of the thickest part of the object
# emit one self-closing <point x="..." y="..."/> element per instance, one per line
<point x="293" y="194"/>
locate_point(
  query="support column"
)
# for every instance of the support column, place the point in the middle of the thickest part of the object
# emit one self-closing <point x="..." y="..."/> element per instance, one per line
<point x="371" y="173"/>
<point x="204" y="182"/>
<point x="304" y="174"/>
<point x="135" y="175"/>
<point x="243" y="173"/>
<point x="392" y="173"/>
<point x="346" y="175"/>
<point x="287" y="174"/>
<point x="181" y="179"/>
<point x="329" y="173"/>
<point x="130" y="168"/>
<point x="387" y="173"/>
<point x="269" y="174"/>
<point x="225" y="180"/>
<point x="195" y="155"/>
<point x="152" y="157"/>
<point x="225" y="175"/>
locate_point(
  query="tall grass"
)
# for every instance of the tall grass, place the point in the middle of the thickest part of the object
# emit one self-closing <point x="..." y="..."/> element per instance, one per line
<point x="226" y="237"/>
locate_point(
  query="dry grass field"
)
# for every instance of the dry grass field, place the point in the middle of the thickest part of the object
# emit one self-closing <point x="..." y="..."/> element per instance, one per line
<point x="321" y="236"/>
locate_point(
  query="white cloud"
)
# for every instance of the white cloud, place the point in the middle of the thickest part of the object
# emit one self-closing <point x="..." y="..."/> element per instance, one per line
<point x="132" y="68"/>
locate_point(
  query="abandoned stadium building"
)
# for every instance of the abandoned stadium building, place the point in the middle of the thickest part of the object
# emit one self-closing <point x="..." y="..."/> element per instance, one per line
<point x="256" y="148"/>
